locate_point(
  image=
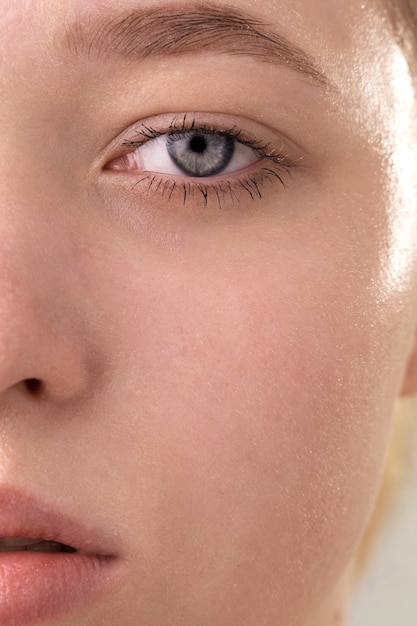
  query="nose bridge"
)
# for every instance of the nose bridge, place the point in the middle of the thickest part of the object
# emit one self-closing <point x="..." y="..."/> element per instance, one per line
<point x="26" y="231"/>
<point x="41" y="334"/>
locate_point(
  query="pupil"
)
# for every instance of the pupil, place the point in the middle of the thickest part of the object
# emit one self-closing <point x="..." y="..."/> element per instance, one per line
<point x="198" y="144"/>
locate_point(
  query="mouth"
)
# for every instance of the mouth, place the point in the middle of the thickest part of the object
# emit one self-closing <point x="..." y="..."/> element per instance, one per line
<point x="32" y="544"/>
<point x="50" y="563"/>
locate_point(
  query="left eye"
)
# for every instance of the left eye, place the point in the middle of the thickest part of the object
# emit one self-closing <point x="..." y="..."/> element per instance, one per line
<point x="194" y="153"/>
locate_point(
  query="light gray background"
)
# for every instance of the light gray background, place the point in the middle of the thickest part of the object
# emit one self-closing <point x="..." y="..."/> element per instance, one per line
<point x="387" y="595"/>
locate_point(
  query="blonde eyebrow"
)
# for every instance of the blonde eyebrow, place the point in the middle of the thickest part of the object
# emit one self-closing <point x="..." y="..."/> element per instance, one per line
<point x="193" y="28"/>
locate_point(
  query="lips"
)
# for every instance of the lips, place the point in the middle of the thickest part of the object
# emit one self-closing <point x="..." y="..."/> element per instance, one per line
<point x="50" y="563"/>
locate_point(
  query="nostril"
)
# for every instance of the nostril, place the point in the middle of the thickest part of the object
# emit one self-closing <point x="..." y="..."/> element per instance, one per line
<point x="33" y="385"/>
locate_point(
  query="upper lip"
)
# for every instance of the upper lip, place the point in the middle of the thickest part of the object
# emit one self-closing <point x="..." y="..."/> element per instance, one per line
<point x="23" y="515"/>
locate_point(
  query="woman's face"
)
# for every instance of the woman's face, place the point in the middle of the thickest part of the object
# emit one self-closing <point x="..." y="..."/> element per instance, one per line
<point x="202" y="335"/>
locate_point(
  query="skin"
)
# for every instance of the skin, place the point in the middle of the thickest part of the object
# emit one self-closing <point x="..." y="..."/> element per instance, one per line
<point x="217" y="382"/>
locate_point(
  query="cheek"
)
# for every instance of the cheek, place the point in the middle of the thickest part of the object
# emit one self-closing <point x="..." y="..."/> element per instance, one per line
<point x="260" y="415"/>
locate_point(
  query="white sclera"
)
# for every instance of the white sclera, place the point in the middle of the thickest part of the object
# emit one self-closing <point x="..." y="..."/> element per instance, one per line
<point x="153" y="156"/>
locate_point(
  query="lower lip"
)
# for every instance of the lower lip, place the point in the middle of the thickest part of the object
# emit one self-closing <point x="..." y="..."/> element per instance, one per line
<point x="38" y="585"/>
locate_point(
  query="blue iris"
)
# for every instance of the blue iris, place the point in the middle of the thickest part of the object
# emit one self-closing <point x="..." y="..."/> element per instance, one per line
<point x="200" y="154"/>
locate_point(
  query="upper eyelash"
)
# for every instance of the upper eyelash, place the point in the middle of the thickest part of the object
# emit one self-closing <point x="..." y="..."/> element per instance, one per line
<point x="147" y="133"/>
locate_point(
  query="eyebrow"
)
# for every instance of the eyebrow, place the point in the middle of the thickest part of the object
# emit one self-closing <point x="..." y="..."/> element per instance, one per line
<point x="196" y="28"/>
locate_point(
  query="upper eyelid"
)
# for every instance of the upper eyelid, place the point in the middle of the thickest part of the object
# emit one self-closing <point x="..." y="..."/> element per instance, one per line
<point x="253" y="133"/>
<point x="144" y="131"/>
<point x="151" y="134"/>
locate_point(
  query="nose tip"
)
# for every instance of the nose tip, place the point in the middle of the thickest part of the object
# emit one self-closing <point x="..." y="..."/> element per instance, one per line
<point x="45" y="363"/>
<point x="43" y="347"/>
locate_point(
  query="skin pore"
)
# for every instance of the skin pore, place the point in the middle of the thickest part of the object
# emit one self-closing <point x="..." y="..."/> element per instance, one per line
<point x="205" y="369"/>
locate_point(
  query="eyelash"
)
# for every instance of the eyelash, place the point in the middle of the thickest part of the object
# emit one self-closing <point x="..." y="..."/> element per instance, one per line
<point x="279" y="165"/>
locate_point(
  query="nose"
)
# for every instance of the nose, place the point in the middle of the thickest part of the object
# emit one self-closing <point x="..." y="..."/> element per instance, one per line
<point x="37" y="355"/>
<point x="42" y="344"/>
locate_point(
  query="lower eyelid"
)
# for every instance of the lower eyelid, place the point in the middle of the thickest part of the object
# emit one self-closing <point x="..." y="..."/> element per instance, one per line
<point x="221" y="192"/>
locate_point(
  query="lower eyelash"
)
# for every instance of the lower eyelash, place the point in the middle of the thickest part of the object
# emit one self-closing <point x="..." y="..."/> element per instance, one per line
<point x="225" y="190"/>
